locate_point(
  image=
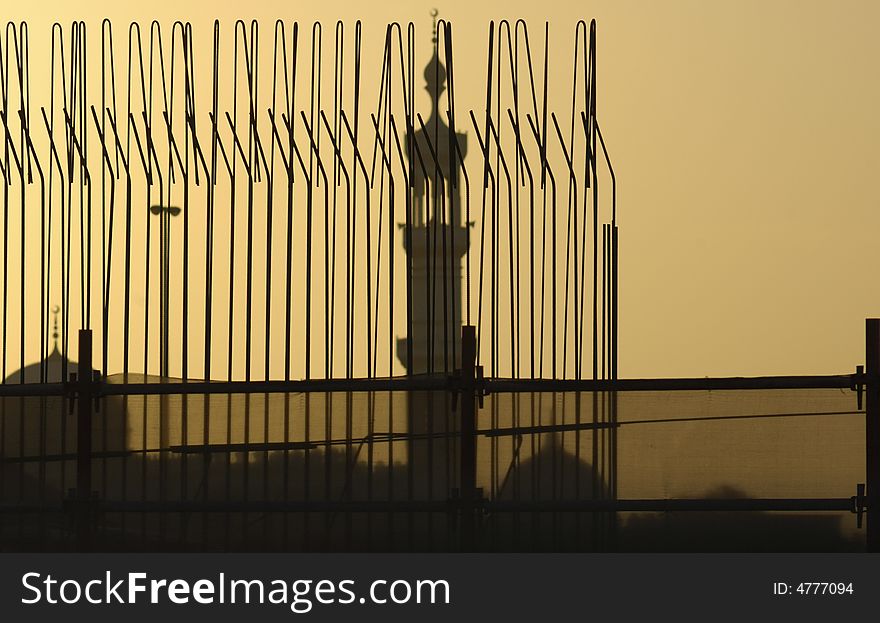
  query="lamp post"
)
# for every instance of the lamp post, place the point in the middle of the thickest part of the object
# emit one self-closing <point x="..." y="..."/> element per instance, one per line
<point x="164" y="213"/>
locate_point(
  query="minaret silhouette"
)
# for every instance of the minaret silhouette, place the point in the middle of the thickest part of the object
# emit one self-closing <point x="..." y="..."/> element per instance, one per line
<point x="439" y="241"/>
<point x="439" y="236"/>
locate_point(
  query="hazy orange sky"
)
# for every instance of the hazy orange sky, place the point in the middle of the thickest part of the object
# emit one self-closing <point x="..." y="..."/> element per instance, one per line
<point x="743" y="135"/>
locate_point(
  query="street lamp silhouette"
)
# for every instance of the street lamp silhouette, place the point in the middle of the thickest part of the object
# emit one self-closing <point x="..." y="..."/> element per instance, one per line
<point x="165" y="213"/>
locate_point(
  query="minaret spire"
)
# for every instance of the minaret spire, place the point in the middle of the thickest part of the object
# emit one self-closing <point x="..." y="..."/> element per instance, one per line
<point x="55" y="311"/>
<point x="435" y="74"/>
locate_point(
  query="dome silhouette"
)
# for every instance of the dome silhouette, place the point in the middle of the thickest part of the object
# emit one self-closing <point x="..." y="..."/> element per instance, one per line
<point x="53" y="365"/>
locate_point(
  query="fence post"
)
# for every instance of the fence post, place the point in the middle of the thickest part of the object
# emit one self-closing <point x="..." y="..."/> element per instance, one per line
<point x="84" y="441"/>
<point x="468" y="493"/>
<point x="872" y="431"/>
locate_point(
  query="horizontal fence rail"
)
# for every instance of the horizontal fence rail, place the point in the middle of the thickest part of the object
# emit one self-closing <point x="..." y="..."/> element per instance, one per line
<point x="439" y="382"/>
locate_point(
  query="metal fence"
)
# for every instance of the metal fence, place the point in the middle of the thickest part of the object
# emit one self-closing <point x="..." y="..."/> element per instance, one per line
<point x="437" y="463"/>
<point x="495" y="423"/>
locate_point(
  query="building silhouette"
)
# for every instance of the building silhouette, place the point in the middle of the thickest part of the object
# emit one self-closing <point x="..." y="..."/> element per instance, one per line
<point x="439" y="236"/>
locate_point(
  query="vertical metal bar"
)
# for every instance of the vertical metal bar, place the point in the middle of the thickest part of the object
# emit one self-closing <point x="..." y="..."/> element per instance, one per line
<point x="211" y="191"/>
<point x="355" y="158"/>
<point x="605" y="305"/>
<point x="290" y="192"/>
<point x="872" y="431"/>
<point x="591" y="142"/>
<point x="84" y="440"/>
<point x="468" y="475"/>
<point x="6" y="183"/>
<point x="614" y="304"/>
